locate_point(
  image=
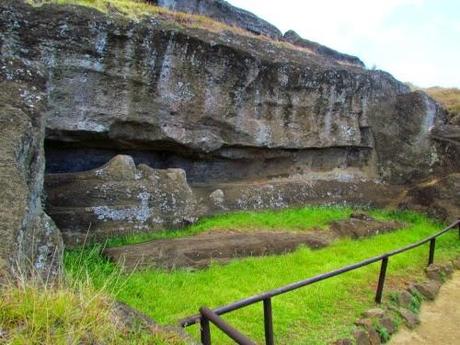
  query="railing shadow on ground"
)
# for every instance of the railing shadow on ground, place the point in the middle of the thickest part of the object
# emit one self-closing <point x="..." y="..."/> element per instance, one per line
<point x="207" y="316"/>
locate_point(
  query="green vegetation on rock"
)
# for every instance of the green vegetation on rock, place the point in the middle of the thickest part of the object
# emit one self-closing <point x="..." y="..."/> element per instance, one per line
<point x="449" y="98"/>
<point x="140" y="9"/>
<point x="318" y="313"/>
<point x="279" y="220"/>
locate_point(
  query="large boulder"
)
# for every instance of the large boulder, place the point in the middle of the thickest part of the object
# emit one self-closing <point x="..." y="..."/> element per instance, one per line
<point x="401" y="128"/>
<point x="119" y="198"/>
<point x="30" y="242"/>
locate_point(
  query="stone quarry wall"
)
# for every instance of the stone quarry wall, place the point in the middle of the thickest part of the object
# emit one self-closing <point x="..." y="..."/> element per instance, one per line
<point x="208" y="122"/>
<point x="30" y="242"/>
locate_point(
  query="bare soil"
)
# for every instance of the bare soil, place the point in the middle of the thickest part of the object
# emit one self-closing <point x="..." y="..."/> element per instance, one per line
<point x="440" y="320"/>
<point x="224" y="245"/>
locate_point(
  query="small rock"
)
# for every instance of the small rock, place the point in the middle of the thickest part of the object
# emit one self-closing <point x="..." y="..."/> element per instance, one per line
<point x="456" y="263"/>
<point x="389" y="325"/>
<point x="448" y="269"/>
<point x="410" y="319"/>
<point x="435" y="272"/>
<point x="428" y="289"/>
<point x="374" y="313"/>
<point x="217" y="198"/>
<point x="365" y="323"/>
<point x="405" y="299"/>
<point x="361" y="215"/>
<point x="374" y="337"/>
<point x="361" y="337"/>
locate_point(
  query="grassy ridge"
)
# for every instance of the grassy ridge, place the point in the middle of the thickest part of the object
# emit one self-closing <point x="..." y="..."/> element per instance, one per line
<point x="280" y="220"/>
<point x="449" y="98"/>
<point x="313" y="315"/>
<point x="140" y="9"/>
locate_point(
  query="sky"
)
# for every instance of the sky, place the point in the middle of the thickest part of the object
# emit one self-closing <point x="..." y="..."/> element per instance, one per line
<point x="417" y="41"/>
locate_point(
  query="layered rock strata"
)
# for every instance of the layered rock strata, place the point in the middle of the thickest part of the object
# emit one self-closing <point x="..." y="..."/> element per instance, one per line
<point x="31" y="244"/>
<point x="251" y="122"/>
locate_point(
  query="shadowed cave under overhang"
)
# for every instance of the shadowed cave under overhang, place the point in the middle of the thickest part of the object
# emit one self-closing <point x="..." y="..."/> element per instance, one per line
<point x="225" y="165"/>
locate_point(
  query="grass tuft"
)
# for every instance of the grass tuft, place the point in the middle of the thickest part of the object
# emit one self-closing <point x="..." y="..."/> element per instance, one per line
<point x="70" y="312"/>
<point x="139" y="10"/>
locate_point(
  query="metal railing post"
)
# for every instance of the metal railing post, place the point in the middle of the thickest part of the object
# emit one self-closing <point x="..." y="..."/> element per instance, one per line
<point x="268" y="322"/>
<point x="205" y="330"/>
<point x="207" y="316"/>
<point x="381" y="283"/>
<point x="432" y="248"/>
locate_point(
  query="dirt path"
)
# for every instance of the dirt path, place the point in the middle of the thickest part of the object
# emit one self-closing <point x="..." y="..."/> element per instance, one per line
<point x="440" y="319"/>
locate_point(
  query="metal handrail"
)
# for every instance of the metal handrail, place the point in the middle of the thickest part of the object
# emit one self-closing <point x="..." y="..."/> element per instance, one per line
<point x="207" y="316"/>
<point x="266" y="296"/>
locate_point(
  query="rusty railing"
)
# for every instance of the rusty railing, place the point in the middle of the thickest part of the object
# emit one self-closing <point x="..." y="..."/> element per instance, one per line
<point x="207" y="316"/>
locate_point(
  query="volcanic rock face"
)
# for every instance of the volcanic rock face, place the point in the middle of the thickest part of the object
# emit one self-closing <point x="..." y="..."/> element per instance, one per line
<point x="30" y="242"/>
<point x="218" y="100"/>
<point x="222" y="11"/>
<point x="119" y="198"/>
<point x="250" y="122"/>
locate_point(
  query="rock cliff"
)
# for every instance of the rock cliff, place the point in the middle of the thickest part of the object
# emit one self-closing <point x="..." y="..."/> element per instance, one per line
<point x="222" y="11"/>
<point x="30" y="242"/>
<point x="243" y="121"/>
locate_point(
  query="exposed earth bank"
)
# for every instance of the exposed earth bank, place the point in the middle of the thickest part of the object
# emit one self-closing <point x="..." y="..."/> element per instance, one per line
<point x="224" y="245"/>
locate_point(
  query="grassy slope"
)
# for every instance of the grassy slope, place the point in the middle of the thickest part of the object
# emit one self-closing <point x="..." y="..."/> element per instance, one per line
<point x="449" y="98"/>
<point x="31" y="314"/>
<point x="313" y="315"/>
<point x="285" y="220"/>
<point x="140" y="9"/>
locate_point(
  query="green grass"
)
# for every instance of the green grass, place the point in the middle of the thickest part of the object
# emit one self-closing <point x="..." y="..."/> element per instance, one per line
<point x="313" y="315"/>
<point x="62" y="314"/>
<point x="140" y="9"/>
<point x="280" y="220"/>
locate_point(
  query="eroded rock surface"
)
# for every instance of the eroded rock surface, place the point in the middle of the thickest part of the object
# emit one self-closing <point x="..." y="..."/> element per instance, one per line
<point x="439" y="197"/>
<point x="30" y="242"/>
<point x="119" y="198"/>
<point x="209" y="98"/>
<point x="245" y="122"/>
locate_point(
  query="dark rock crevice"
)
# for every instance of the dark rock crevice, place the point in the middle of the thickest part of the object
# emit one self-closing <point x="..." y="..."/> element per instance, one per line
<point x="225" y="165"/>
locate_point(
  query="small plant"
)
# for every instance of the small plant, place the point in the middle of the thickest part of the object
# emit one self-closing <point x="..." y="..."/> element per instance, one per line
<point x="416" y="302"/>
<point x="393" y="296"/>
<point x="383" y="332"/>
